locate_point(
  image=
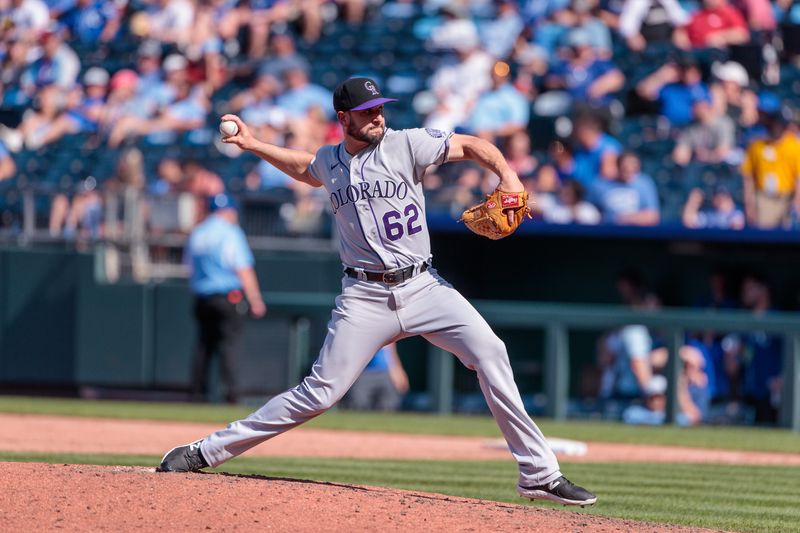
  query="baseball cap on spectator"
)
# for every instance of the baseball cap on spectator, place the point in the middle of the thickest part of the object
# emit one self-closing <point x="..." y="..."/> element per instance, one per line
<point x="686" y="60"/>
<point x="124" y="78"/>
<point x="530" y="53"/>
<point x="278" y="33"/>
<point x="86" y="185"/>
<point x="722" y="189"/>
<point x="54" y="29"/>
<point x="453" y="9"/>
<point x="731" y="71"/>
<point x="222" y="201"/>
<point x="581" y="6"/>
<point x="656" y="386"/>
<point x="466" y="39"/>
<point x="356" y="94"/>
<point x="96" y="76"/>
<point x="149" y="48"/>
<point x="579" y="37"/>
<point x="552" y="104"/>
<point x="769" y="103"/>
<point x="174" y="62"/>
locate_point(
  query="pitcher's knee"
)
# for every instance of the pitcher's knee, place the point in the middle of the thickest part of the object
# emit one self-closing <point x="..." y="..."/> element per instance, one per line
<point x="496" y="349"/>
<point x="491" y="351"/>
<point x="317" y="397"/>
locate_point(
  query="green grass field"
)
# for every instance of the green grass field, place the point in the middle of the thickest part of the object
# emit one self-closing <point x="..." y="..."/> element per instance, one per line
<point x="734" y="498"/>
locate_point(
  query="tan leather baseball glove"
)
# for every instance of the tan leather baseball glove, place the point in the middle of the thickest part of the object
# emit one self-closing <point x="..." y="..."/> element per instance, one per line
<point x="490" y="218"/>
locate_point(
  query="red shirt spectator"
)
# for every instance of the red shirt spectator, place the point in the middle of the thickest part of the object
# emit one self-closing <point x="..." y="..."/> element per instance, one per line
<point x="717" y="25"/>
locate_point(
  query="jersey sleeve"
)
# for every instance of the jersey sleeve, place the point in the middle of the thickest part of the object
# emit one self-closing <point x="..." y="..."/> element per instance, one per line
<point x="317" y="166"/>
<point x="428" y="147"/>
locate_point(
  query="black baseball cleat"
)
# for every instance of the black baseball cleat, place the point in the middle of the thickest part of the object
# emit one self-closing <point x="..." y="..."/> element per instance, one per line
<point x="186" y="458"/>
<point x="559" y="490"/>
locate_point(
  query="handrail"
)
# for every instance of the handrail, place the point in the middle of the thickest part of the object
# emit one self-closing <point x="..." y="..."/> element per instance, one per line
<point x="557" y="319"/>
<point x="585" y="316"/>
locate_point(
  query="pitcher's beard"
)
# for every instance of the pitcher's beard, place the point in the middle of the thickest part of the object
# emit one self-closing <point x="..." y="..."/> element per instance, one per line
<point x="373" y="136"/>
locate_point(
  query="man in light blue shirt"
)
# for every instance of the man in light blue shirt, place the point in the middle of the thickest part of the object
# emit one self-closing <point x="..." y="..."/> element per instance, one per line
<point x="596" y="152"/>
<point x="221" y="277"/>
<point x="499" y="34"/>
<point x="302" y="95"/>
<point x="629" y="199"/>
<point x="500" y="111"/>
<point x="265" y="177"/>
<point x="630" y="349"/>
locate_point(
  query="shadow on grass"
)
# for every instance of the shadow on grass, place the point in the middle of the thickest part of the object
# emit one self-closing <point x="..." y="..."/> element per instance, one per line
<point x="362" y="489"/>
<point x="293" y="480"/>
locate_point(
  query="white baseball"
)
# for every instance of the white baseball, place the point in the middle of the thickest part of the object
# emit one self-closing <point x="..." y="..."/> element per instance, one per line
<point x="228" y="128"/>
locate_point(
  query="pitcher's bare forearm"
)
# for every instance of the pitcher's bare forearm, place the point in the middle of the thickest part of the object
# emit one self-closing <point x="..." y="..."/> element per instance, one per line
<point x="486" y="155"/>
<point x="294" y="163"/>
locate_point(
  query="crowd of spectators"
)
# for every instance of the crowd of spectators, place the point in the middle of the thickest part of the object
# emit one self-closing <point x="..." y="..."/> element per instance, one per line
<point x="725" y="377"/>
<point x="620" y="112"/>
<point x="708" y="74"/>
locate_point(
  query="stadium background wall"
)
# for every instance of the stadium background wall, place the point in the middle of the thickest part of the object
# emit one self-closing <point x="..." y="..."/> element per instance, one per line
<point x="60" y="328"/>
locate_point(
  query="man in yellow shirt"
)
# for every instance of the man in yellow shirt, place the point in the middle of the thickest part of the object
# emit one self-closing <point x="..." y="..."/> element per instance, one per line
<point x="771" y="169"/>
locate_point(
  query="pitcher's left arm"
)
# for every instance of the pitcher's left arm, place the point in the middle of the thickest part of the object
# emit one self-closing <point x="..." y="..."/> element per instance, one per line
<point x="487" y="155"/>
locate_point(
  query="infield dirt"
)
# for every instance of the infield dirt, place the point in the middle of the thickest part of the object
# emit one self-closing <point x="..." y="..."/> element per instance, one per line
<point x="47" y="497"/>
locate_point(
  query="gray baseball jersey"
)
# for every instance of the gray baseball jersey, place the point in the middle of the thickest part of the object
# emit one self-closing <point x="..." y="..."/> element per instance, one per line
<point x="377" y="199"/>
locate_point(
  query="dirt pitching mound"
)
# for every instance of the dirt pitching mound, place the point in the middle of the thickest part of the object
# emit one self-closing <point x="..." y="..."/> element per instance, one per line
<point x="45" y="497"/>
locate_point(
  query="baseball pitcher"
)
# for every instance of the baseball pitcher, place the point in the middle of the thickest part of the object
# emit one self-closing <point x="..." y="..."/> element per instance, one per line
<point x="390" y="290"/>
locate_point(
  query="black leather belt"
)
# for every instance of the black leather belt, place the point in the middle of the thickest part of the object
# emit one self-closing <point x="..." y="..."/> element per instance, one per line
<point x="390" y="277"/>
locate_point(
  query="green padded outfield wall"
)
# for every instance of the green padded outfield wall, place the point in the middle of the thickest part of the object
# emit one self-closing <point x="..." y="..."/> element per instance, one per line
<point x="59" y="327"/>
<point x="148" y="333"/>
<point x="173" y="334"/>
<point x="38" y="328"/>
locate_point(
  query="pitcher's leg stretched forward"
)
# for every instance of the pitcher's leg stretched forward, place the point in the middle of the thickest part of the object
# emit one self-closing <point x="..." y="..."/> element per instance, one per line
<point x="367" y="316"/>
<point x="361" y="323"/>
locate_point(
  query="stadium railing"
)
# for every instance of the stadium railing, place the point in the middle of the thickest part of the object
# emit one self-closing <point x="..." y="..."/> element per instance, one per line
<point x="557" y="320"/>
<point x="138" y="235"/>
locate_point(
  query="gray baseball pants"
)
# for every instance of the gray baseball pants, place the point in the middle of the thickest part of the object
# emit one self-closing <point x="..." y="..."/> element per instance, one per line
<point x="369" y="315"/>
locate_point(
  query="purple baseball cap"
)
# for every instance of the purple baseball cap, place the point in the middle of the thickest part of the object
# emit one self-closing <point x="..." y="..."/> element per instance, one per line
<point x="357" y="94"/>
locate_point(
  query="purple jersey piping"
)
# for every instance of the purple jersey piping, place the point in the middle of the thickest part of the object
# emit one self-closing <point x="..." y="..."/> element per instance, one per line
<point x="374" y="217"/>
<point x="446" y="148"/>
<point x="355" y="210"/>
